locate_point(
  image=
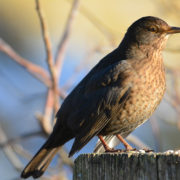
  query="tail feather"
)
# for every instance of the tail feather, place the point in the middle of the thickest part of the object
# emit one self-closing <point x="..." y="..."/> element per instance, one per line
<point x="43" y="157"/>
<point x="39" y="163"/>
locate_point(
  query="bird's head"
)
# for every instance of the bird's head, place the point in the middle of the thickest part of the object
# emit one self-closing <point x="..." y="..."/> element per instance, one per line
<point x="150" y="31"/>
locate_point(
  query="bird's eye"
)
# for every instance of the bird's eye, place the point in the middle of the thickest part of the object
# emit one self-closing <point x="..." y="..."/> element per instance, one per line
<point x="152" y="29"/>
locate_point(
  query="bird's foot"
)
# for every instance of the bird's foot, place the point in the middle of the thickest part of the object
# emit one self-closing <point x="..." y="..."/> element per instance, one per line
<point x="148" y="150"/>
<point x="126" y="145"/>
<point x="111" y="150"/>
<point x="130" y="149"/>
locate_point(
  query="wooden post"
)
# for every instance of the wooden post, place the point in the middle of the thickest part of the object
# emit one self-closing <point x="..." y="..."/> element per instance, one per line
<point x="128" y="166"/>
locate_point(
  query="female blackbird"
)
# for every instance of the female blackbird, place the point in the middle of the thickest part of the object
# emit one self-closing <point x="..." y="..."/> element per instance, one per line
<point x="120" y="93"/>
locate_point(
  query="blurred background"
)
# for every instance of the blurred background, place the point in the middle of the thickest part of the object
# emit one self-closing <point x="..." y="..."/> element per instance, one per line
<point x="80" y="34"/>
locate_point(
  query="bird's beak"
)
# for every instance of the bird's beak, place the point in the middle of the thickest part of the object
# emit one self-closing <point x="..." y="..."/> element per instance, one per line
<point x="173" y="30"/>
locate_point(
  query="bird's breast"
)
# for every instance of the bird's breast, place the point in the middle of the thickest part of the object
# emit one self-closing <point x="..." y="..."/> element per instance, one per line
<point x="148" y="87"/>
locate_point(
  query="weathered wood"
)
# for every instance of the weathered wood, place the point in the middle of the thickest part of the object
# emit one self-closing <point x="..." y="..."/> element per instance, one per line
<point x="127" y="166"/>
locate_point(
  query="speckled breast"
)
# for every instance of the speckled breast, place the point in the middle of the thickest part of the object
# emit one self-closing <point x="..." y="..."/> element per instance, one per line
<point x="146" y="93"/>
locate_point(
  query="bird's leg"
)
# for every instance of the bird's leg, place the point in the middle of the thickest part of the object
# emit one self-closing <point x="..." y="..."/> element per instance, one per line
<point x="126" y="145"/>
<point x="106" y="147"/>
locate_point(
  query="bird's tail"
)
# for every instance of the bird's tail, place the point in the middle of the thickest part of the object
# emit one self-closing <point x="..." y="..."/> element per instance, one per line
<point x="43" y="157"/>
<point x="39" y="163"/>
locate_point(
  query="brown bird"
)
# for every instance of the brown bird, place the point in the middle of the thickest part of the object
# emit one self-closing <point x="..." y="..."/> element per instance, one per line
<point x="119" y="94"/>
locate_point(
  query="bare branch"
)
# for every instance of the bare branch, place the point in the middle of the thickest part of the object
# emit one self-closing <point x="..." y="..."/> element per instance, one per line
<point x="45" y="120"/>
<point x="49" y="55"/>
<point x="33" y="69"/>
<point x="45" y="124"/>
<point x="65" y="38"/>
<point x="22" y="152"/>
<point x="65" y="158"/>
<point x="79" y="68"/>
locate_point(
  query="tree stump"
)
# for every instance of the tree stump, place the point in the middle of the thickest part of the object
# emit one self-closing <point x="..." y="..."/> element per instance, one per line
<point x="128" y="166"/>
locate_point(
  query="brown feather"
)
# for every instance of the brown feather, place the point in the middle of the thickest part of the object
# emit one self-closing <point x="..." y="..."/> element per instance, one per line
<point x="39" y="163"/>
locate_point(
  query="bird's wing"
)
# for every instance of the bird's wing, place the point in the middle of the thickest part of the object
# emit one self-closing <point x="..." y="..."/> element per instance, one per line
<point x="100" y="96"/>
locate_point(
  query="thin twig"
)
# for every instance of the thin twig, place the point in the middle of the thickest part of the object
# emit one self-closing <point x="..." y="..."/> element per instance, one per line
<point x="45" y="120"/>
<point x="33" y="69"/>
<point x="79" y="68"/>
<point x="22" y="152"/>
<point x="65" y="38"/>
<point x="49" y="55"/>
<point x="65" y="159"/>
<point x="45" y="124"/>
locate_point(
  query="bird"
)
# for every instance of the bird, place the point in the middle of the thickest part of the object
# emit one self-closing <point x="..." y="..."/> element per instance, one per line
<point x="118" y="94"/>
